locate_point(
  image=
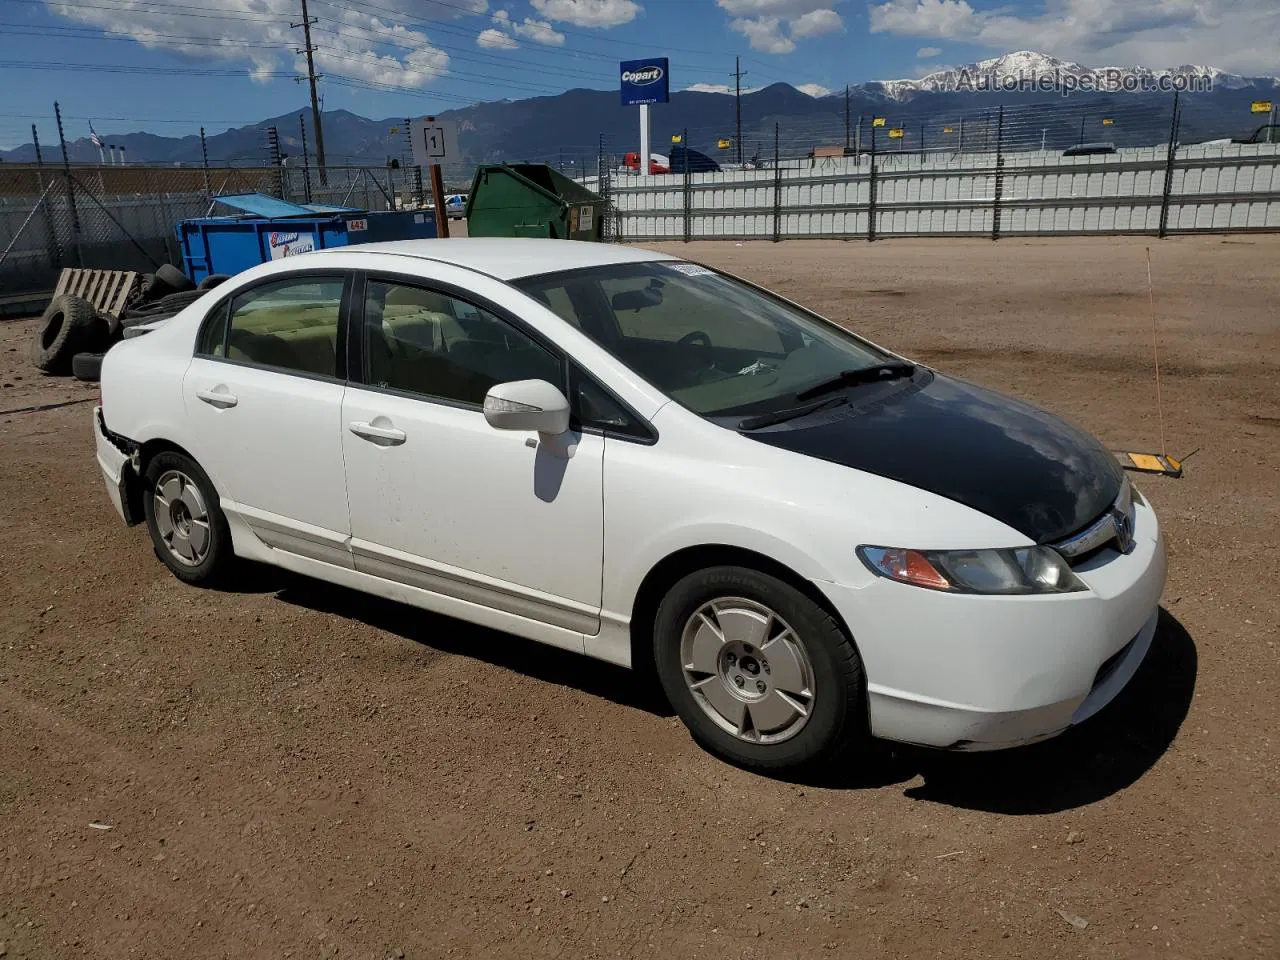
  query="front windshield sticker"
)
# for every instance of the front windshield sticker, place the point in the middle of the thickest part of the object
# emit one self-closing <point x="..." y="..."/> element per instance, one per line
<point x="690" y="269"/>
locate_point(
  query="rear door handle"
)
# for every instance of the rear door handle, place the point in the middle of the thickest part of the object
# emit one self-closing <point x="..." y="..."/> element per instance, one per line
<point x="218" y="399"/>
<point x="386" y="436"/>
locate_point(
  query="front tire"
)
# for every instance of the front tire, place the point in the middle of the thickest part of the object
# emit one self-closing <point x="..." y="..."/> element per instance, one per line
<point x="188" y="528"/>
<point x="761" y="675"/>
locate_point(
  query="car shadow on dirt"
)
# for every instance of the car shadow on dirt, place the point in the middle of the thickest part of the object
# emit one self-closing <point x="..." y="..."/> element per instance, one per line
<point x="447" y="635"/>
<point x="1108" y="753"/>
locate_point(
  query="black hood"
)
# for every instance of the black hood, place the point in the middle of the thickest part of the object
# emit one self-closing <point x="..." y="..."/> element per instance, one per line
<point x="1008" y="459"/>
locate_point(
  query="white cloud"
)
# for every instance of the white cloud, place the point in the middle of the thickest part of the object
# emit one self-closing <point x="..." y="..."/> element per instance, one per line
<point x="784" y="9"/>
<point x="928" y="53"/>
<point x="814" y="89"/>
<point x="815" y="23"/>
<point x="539" y="31"/>
<point x="352" y="43"/>
<point x="493" y="39"/>
<point x="774" y="26"/>
<point x="588" y="13"/>
<point x="765" y="34"/>
<point x="1239" y="35"/>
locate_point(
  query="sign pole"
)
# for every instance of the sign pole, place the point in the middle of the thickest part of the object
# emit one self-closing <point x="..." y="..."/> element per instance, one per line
<point x="437" y="196"/>
<point x="644" y="140"/>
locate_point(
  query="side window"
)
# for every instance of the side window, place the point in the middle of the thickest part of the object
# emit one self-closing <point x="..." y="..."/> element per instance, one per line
<point x="435" y="345"/>
<point x="213" y="336"/>
<point x="291" y="324"/>
<point x="595" y="408"/>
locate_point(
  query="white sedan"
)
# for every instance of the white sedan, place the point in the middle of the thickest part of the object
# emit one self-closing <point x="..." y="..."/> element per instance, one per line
<point x="810" y="539"/>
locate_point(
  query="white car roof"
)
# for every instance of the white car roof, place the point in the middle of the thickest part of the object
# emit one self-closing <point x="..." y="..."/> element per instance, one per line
<point x="508" y="258"/>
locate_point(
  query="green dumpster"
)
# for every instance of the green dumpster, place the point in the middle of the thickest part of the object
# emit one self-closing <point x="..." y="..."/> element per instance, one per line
<point x="531" y="200"/>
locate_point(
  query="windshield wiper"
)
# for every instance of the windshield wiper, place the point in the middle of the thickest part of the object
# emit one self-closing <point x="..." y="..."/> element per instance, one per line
<point x="782" y="416"/>
<point x="890" y="370"/>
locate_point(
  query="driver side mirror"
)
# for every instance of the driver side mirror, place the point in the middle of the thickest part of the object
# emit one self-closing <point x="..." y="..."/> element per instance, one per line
<point x="527" y="405"/>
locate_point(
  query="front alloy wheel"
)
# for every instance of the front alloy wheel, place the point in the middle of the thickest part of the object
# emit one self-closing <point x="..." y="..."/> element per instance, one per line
<point x="759" y="671"/>
<point x="747" y="670"/>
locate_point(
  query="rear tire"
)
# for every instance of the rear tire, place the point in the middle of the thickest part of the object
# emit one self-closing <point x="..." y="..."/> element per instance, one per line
<point x="762" y="676"/>
<point x="187" y="526"/>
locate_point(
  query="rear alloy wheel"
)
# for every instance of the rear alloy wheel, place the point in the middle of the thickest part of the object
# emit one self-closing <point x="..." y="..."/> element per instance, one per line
<point x="187" y="527"/>
<point x="760" y="674"/>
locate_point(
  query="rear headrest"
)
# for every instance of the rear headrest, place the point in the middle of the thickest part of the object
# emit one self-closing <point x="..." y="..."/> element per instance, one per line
<point x="414" y="297"/>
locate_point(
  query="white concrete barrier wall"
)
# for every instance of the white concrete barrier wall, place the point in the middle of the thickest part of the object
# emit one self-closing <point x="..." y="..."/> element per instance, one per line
<point x="1225" y="187"/>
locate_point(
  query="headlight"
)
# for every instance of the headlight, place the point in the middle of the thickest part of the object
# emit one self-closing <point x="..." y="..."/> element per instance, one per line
<point x="1021" y="570"/>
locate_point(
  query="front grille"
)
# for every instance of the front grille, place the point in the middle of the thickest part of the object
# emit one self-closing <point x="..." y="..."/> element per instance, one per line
<point x="1102" y="534"/>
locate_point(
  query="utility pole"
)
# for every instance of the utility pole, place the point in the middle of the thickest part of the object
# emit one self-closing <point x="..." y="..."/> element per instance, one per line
<point x="737" y="102"/>
<point x="312" y="77"/>
<point x="846" y="118"/>
<point x="204" y="159"/>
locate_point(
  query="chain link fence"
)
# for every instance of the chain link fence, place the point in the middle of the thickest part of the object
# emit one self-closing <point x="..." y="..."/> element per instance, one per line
<point x="125" y="217"/>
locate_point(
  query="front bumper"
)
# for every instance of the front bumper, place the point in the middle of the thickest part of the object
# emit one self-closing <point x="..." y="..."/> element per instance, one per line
<point x="986" y="673"/>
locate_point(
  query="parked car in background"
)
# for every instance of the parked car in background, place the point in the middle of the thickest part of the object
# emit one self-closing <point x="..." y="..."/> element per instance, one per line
<point x="810" y="539"/>
<point x="455" y="206"/>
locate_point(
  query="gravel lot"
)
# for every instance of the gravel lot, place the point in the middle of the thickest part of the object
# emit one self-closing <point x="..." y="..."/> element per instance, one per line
<point x="293" y="770"/>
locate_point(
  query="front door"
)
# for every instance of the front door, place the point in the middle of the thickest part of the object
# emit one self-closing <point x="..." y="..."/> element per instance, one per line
<point x="263" y="395"/>
<point x="438" y="498"/>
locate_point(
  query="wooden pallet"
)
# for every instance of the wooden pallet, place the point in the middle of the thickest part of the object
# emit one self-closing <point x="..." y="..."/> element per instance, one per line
<point x="107" y="290"/>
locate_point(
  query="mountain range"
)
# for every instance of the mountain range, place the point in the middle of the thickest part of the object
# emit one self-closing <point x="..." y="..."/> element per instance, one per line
<point x="568" y="129"/>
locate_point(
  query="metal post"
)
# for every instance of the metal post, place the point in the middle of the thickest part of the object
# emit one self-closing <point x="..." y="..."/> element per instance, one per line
<point x="71" y="190"/>
<point x="777" y="188"/>
<point x="1163" y="230"/>
<point x="737" y="104"/>
<point x="995" y="209"/>
<point x="871" y="192"/>
<point x="1083" y="118"/>
<point x="857" y="137"/>
<point x="52" y="245"/>
<point x="960" y="142"/>
<point x="437" y="194"/>
<point x="921" y="139"/>
<point x="684" y="139"/>
<point x="846" y="118"/>
<point x="306" y="162"/>
<point x="273" y="156"/>
<point x="204" y="159"/>
<point x="644" y="140"/>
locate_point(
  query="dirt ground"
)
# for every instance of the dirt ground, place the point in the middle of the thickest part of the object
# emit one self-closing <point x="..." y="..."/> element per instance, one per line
<point x="293" y="770"/>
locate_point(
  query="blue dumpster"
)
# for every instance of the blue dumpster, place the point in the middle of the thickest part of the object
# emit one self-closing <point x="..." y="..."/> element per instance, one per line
<point x="268" y="229"/>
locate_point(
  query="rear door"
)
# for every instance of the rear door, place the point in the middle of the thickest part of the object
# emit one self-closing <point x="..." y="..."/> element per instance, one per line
<point x="264" y="395"/>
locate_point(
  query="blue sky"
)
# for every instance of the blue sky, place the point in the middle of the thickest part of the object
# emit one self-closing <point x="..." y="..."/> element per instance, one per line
<point x="170" y="66"/>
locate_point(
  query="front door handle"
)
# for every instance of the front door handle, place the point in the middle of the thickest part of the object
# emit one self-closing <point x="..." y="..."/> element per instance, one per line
<point x="386" y="436"/>
<point x="216" y="398"/>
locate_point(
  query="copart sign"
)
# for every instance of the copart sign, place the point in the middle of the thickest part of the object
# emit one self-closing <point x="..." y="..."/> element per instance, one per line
<point x="645" y="81"/>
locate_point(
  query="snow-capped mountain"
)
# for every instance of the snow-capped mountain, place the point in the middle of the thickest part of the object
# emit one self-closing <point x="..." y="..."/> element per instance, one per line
<point x="1027" y="65"/>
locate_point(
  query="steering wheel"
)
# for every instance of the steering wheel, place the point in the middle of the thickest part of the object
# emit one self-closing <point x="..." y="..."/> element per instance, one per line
<point x="694" y="336"/>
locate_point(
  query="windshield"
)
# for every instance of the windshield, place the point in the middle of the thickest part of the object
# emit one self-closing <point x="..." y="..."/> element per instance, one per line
<point x="712" y="343"/>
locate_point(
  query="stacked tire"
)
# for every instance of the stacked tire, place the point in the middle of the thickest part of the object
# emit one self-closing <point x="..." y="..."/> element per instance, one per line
<point x="73" y="336"/>
<point x="70" y="328"/>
